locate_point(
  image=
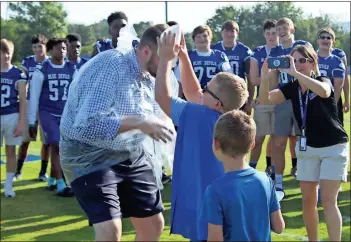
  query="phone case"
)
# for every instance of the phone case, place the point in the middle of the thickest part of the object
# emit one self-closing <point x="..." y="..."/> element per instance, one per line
<point x="278" y="63"/>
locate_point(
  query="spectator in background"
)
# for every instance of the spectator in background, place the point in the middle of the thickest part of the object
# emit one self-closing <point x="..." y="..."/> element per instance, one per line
<point x="116" y="21"/>
<point x="13" y="110"/>
<point x="284" y="122"/>
<point x="264" y="114"/>
<point x="73" y="50"/>
<point x="29" y="64"/>
<point x="205" y="61"/>
<point x="238" y="55"/>
<point x="321" y="159"/>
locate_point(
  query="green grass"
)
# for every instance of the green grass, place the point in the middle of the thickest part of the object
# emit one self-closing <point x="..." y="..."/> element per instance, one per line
<point x="38" y="215"/>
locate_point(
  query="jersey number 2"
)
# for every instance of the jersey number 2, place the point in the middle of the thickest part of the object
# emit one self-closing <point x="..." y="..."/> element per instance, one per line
<point x="5" y="94"/>
<point x="54" y="89"/>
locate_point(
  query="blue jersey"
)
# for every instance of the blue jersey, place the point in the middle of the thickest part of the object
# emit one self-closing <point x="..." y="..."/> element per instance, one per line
<point x="106" y="44"/>
<point x="331" y="67"/>
<point x="29" y="63"/>
<point x="56" y="82"/>
<point x="259" y="54"/>
<point x="79" y="64"/>
<point x="9" y="92"/>
<point x="279" y="50"/>
<point x="207" y="65"/>
<point x="237" y="56"/>
<point x="339" y="53"/>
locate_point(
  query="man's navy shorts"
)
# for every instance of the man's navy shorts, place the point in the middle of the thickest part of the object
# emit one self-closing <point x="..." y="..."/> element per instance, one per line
<point x="123" y="190"/>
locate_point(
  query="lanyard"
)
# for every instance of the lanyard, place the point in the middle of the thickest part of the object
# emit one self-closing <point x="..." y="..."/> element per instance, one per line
<point x="303" y="110"/>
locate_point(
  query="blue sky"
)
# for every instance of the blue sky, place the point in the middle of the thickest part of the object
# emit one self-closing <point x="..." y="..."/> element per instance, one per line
<point x="182" y="12"/>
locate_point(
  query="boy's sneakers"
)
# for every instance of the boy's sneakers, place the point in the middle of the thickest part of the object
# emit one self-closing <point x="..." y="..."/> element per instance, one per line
<point x="17" y="176"/>
<point x="165" y="178"/>
<point x="293" y="171"/>
<point x="9" y="192"/>
<point x="42" y="178"/>
<point x="67" y="192"/>
<point x="268" y="170"/>
<point x="278" y="189"/>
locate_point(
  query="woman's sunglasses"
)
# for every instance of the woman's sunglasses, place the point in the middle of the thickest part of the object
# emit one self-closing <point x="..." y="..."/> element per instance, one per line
<point x="212" y="94"/>
<point x="302" y="60"/>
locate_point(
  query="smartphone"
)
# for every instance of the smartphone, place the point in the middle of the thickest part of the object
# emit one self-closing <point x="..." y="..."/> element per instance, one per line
<point x="278" y="62"/>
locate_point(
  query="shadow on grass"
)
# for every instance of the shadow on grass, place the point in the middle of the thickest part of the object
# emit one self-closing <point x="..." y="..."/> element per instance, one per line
<point x="32" y="208"/>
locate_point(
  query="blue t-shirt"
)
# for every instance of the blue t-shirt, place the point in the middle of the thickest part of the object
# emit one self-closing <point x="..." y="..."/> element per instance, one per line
<point x="241" y="202"/>
<point x="194" y="166"/>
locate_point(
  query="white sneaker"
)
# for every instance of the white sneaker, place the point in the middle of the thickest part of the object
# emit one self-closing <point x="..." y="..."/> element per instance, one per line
<point x="9" y="192"/>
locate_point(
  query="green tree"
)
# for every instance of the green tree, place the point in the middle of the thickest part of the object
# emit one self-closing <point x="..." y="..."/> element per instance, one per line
<point x="189" y="41"/>
<point x="19" y="35"/>
<point x="48" y="18"/>
<point x="100" y="29"/>
<point x="141" y="26"/>
<point x="86" y="32"/>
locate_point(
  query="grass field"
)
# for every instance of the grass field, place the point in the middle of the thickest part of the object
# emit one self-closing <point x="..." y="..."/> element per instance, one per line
<point x="38" y="215"/>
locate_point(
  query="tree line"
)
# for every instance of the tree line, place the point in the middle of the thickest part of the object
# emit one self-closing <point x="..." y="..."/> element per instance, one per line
<point x="50" y="19"/>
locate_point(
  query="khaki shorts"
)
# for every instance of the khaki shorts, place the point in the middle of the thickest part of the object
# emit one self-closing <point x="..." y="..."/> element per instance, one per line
<point x="328" y="163"/>
<point x="285" y="123"/>
<point x="8" y="125"/>
<point x="264" y="119"/>
<point x="26" y="136"/>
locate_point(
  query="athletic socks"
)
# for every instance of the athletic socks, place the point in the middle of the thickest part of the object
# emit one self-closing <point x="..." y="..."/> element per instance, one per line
<point x="44" y="166"/>
<point x="61" y="185"/>
<point x="51" y="181"/>
<point x="19" y="165"/>
<point x="9" y="179"/>
<point x="253" y="164"/>
<point x="273" y="173"/>
<point x="294" y="162"/>
<point x="268" y="161"/>
<point x="279" y="181"/>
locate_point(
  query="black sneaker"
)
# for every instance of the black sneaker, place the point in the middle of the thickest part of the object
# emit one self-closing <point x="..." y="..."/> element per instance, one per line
<point x="67" y="192"/>
<point x="51" y="187"/>
<point x="165" y="178"/>
<point x="268" y="170"/>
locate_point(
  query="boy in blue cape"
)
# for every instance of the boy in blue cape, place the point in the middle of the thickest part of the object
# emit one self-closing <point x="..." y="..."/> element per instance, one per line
<point x="195" y="166"/>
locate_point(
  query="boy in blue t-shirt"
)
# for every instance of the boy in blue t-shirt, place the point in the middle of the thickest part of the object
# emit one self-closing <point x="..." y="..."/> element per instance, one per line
<point x="242" y="205"/>
<point x="194" y="166"/>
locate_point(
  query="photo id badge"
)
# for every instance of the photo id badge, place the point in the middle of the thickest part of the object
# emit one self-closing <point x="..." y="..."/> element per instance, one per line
<point x="303" y="143"/>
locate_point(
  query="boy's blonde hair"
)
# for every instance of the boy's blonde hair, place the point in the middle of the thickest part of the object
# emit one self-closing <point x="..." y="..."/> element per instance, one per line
<point x="231" y="90"/>
<point x="287" y="21"/>
<point x="7" y="46"/>
<point x="235" y="131"/>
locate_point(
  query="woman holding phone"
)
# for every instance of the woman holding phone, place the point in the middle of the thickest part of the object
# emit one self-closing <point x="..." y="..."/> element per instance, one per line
<point x="322" y="150"/>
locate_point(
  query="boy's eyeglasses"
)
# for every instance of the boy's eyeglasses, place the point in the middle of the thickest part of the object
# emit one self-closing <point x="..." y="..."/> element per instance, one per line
<point x="302" y="60"/>
<point x="325" y="37"/>
<point x="212" y="94"/>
